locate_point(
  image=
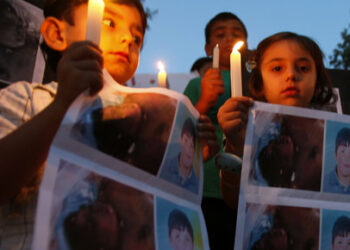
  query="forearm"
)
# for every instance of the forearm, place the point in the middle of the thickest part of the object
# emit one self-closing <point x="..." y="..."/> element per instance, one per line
<point x="233" y="148"/>
<point x="25" y="150"/>
<point x="202" y="107"/>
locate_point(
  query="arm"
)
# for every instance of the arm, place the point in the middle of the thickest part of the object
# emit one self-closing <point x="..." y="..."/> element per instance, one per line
<point x="232" y="118"/>
<point x="24" y="151"/>
<point x="207" y="137"/>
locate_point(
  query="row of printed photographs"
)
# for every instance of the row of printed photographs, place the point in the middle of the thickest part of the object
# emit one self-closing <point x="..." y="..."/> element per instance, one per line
<point x="298" y="152"/>
<point x="151" y="131"/>
<point x="89" y="209"/>
<point x="285" y="227"/>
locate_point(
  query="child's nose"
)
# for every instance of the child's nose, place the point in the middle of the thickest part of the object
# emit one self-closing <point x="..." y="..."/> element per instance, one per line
<point x="127" y="38"/>
<point x="292" y="74"/>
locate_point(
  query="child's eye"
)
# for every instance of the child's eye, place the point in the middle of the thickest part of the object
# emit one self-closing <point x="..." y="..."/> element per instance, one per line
<point x="276" y="68"/>
<point x="304" y="68"/>
<point x="220" y="35"/>
<point x="137" y="40"/>
<point x="109" y="22"/>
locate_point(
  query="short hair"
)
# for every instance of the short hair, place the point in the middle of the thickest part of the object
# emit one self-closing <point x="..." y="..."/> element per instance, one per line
<point x="64" y="10"/>
<point x="178" y="220"/>
<point x="343" y="138"/>
<point x="323" y="89"/>
<point x="198" y="64"/>
<point x="223" y="16"/>
<point x="341" y="227"/>
<point x="189" y="128"/>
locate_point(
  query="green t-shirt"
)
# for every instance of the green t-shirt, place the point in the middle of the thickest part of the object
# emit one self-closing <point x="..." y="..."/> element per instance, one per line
<point x="211" y="173"/>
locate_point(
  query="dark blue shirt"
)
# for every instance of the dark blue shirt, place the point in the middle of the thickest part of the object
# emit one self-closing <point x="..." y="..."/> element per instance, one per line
<point x="332" y="184"/>
<point x="171" y="173"/>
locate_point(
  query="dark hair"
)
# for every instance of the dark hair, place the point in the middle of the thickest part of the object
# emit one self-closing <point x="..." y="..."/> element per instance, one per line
<point x="323" y="89"/>
<point x="64" y="9"/>
<point x="178" y="220"/>
<point x="343" y="138"/>
<point x="223" y="16"/>
<point x="198" y="64"/>
<point x="189" y="128"/>
<point x="341" y="227"/>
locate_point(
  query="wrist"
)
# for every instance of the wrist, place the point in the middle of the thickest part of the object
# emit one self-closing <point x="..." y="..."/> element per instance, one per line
<point x="202" y="106"/>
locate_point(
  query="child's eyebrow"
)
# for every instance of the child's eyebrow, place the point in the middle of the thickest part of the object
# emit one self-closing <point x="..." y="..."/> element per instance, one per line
<point x="279" y="59"/>
<point x="118" y="16"/>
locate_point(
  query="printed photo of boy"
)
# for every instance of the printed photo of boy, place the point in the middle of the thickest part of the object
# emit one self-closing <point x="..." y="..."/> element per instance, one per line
<point x="337" y="160"/>
<point x="288" y="151"/>
<point x="178" y="227"/>
<point x="335" y="230"/>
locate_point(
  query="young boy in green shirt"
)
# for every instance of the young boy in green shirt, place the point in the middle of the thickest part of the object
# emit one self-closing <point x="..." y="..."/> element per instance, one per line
<point x="207" y="94"/>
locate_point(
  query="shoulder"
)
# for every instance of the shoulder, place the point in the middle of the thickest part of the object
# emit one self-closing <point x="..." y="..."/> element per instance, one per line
<point x="23" y="89"/>
<point x="194" y="83"/>
<point x="20" y="101"/>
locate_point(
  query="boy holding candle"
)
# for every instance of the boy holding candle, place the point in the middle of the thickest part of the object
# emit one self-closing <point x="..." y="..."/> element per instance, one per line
<point x="30" y="114"/>
<point x="207" y="94"/>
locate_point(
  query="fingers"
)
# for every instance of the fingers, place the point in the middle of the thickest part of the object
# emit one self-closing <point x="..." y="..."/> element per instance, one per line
<point x="84" y="51"/>
<point x="79" y="69"/>
<point x="233" y="115"/>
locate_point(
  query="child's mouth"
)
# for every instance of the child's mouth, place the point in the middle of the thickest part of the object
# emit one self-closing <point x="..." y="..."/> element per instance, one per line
<point x="122" y="55"/>
<point x="291" y="91"/>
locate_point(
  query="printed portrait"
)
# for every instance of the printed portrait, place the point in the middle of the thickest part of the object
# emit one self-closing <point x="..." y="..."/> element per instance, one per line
<point x="288" y="151"/>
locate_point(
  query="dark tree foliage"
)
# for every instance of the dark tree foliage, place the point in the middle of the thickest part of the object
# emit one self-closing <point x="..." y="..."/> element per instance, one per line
<point x="341" y="55"/>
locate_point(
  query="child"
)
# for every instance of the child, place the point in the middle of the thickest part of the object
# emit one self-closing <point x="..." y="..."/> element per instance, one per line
<point x="31" y="113"/>
<point x="289" y="71"/>
<point x="180" y="231"/>
<point x="341" y="234"/>
<point x="207" y="94"/>
<point x="179" y="170"/>
<point x="338" y="181"/>
<point x="201" y="65"/>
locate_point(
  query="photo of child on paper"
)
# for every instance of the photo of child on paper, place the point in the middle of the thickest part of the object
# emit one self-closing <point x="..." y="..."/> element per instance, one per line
<point x="270" y="227"/>
<point x="19" y="41"/>
<point x="132" y="127"/>
<point x="180" y="166"/>
<point x="337" y="158"/>
<point x="94" y="212"/>
<point x="335" y="230"/>
<point x="177" y="227"/>
<point x="288" y="151"/>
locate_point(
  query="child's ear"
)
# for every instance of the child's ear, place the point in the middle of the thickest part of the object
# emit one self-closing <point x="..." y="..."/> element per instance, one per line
<point x="208" y="49"/>
<point x="52" y="31"/>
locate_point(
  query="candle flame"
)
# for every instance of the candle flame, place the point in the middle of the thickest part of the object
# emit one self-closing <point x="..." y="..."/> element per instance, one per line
<point x="237" y="46"/>
<point x="161" y="65"/>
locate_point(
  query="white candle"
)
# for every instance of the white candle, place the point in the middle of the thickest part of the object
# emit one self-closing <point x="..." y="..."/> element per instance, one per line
<point x="216" y="53"/>
<point x="236" y="71"/>
<point x="94" y="20"/>
<point x="161" y="75"/>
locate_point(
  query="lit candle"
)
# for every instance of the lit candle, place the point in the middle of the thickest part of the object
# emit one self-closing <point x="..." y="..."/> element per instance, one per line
<point x="236" y="71"/>
<point x="94" y="20"/>
<point x="161" y="75"/>
<point x="216" y="52"/>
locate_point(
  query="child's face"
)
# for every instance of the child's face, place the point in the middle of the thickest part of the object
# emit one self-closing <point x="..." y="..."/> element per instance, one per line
<point x="342" y="157"/>
<point x="289" y="74"/>
<point x="121" y="37"/>
<point x="180" y="239"/>
<point x="341" y="242"/>
<point x="226" y="34"/>
<point x="187" y="153"/>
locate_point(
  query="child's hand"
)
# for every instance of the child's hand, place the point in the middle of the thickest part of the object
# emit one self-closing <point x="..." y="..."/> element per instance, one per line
<point x="212" y="86"/>
<point x="80" y="68"/>
<point x="207" y="137"/>
<point x="232" y="118"/>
